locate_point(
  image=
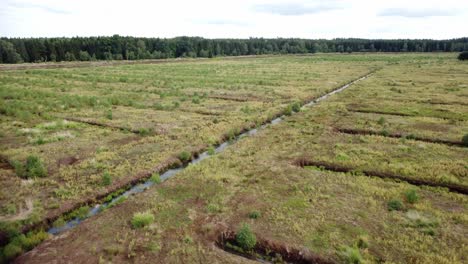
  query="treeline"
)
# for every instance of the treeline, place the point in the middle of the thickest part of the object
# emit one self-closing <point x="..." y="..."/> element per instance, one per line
<point x="15" y="50"/>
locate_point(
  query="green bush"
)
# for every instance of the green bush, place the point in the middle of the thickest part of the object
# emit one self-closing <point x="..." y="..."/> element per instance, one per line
<point x="296" y="107"/>
<point x="32" y="169"/>
<point x="11" y="251"/>
<point x="185" y="156"/>
<point x="106" y="179"/>
<point x="22" y="243"/>
<point x="254" y="215"/>
<point x="395" y="205"/>
<point x="465" y="140"/>
<point x="463" y="56"/>
<point x="246" y="238"/>
<point x="80" y="213"/>
<point x="411" y="196"/>
<point x="155" y="178"/>
<point x="140" y="220"/>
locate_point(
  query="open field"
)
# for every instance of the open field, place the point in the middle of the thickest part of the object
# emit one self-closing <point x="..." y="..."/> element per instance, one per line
<point x="376" y="173"/>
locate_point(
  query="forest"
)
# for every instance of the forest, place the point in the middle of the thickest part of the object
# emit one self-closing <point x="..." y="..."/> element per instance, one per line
<point x="17" y="50"/>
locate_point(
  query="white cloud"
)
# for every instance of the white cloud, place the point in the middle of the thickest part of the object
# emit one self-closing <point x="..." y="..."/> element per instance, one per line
<point x="235" y="19"/>
<point x="417" y="13"/>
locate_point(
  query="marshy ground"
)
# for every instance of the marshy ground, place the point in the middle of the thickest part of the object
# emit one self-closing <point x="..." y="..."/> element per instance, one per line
<point x="397" y="135"/>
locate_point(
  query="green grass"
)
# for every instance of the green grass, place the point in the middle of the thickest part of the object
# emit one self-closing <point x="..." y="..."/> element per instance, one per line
<point x="341" y="216"/>
<point x="141" y="220"/>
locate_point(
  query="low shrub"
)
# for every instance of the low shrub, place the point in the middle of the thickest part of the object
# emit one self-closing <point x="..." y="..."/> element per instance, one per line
<point x="395" y="205"/>
<point x="185" y="156"/>
<point x="80" y="213"/>
<point x="11" y="251"/>
<point x="22" y="243"/>
<point x="363" y="242"/>
<point x="141" y="220"/>
<point x="463" y="56"/>
<point x="32" y="169"/>
<point x="254" y="215"/>
<point x="465" y="140"/>
<point x="296" y="107"/>
<point x="411" y="196"/>
<point x="246" y="238"/>
<point x="106" y="178"/>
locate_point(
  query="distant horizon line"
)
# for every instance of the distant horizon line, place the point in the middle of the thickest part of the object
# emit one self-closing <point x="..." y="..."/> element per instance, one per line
<point x="233" y="38"/>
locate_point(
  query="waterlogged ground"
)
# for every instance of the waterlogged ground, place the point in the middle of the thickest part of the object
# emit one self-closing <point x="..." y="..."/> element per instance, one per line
<point x="83" y="123"/>
<point x="261" y="180"/>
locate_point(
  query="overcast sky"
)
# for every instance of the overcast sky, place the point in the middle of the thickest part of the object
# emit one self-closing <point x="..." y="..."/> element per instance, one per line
<point x="235" y="18"/>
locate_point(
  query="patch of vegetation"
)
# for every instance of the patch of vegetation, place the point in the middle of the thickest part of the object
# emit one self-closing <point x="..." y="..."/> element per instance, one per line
<point x="31" y="169"/>
<point x="296" y="107"/>
<point x="109" y="114"/>
<point x="395" y="205"/>
<point x="245" y="238"/>
<point x="144" y="131"/>
<point x="463" y="56"/>
<point x="80" y="213"/>
<point x="411" y="196"/>
<point x="143" y="219"/>
<point x="351" y="255"/>
<point x="155" y="178"/>
<point x="21" y="243"/>
<point x="196" y="100"/>
<point x="211" y="151"/>
<point x="106" y="179"/>
<point x="254" y="215"/>
<point x="381" y="121"/>
<point x="185" y="156"/>
<point x="465" y="140"/>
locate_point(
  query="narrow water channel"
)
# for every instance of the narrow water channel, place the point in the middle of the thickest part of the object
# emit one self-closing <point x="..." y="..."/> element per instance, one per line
<point x="138" y="188"/>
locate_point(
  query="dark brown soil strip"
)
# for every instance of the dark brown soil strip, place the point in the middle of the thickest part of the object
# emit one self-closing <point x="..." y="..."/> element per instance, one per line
<point x="200" y="112"/>
<point x="378" y="112"/>
<point x="303" y="162"/>
<point x="443" y="103"/>
<point x="399" y="114"/>
<point x="267" y="249"/>
<point x="398" y="135"/>
<point x="235" y="98"/>
<point x="99" y="124"/>
<point x="5" y="164"/>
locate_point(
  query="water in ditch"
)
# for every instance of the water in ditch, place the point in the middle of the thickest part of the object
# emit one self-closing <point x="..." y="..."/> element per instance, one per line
<point x="138" y="188"/>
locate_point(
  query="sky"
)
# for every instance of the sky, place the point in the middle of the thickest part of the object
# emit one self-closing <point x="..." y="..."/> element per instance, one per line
<point x="310" y="19"/>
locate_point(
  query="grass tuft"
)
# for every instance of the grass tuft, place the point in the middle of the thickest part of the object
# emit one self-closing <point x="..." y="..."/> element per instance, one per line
<point x="143" y="219"/>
